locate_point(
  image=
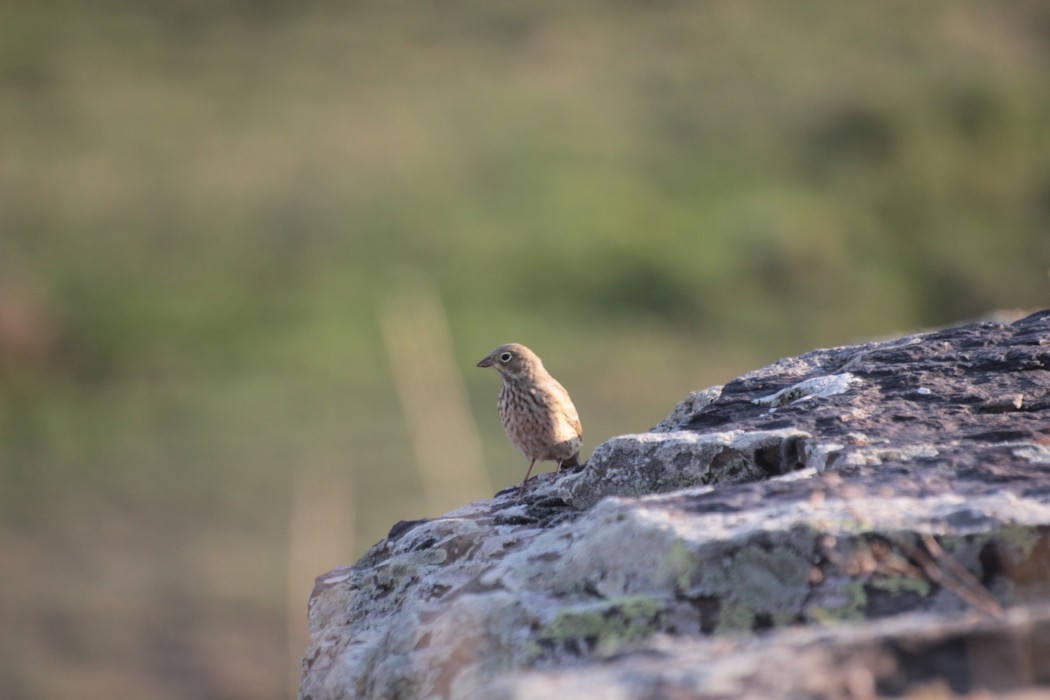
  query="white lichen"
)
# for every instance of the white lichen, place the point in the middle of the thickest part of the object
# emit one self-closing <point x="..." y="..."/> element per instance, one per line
<point x="814" y="388"/>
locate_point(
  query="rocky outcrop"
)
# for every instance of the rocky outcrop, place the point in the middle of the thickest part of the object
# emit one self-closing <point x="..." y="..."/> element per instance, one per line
<point x="854" y="522"/>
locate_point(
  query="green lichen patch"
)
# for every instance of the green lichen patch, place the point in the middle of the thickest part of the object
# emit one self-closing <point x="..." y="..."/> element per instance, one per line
<point x="607" y="625"/>
<point x="770" y="581"/>
<point x="902" y="584"/>
<point x="735" y="617"/>
<point x="848" y="606"/>
<point x="678" y="565"/>
<point x="763" y="581"/>
<point x="1023" y="539"/>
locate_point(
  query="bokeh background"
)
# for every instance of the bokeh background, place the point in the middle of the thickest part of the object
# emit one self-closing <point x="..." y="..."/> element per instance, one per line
<point x="250" y="252"/>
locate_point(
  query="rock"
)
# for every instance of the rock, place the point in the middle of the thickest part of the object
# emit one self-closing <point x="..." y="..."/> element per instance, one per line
<point x="858" y="521"/>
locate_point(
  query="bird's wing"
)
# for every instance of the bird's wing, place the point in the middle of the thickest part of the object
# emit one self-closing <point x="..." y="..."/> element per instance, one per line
<point x="565" y="405"/>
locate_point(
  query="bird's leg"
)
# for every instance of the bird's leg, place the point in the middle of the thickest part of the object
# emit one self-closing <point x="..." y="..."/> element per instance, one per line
<point x="558" y="470"/>
<point x="526" y="479"/>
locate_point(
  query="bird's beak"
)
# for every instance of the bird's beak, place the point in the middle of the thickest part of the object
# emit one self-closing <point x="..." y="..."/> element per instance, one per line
<point x="487" y="362"/>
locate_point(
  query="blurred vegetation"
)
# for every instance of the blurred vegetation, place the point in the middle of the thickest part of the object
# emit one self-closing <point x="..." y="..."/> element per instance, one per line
<point x="204" y="204"/>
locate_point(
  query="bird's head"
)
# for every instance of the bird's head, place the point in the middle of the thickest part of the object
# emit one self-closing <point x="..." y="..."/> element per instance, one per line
<point x="513" y="361"/>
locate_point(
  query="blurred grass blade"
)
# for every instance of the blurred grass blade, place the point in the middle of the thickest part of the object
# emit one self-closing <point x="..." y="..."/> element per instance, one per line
<point x="433" y="398"/>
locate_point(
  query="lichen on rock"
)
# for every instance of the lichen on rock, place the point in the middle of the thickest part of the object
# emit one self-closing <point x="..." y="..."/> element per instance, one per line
<point x="875" y="511"/>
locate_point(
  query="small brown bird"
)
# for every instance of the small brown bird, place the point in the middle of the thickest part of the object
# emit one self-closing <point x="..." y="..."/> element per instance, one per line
<point x="537" y="413"/>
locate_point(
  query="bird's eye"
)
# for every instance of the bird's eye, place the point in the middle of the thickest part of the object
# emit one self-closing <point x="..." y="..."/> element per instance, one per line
<point x="505" y="357"/>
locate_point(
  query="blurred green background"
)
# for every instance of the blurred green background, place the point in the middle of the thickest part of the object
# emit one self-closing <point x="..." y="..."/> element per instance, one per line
<point x="251" y="251"/>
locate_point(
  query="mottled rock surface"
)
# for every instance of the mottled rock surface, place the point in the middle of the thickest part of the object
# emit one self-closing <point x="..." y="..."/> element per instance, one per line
<point x="863" y="521"/>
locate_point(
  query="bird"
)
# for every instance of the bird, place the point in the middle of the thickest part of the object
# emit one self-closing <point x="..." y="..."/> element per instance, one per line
<point x="537" y="413"/>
